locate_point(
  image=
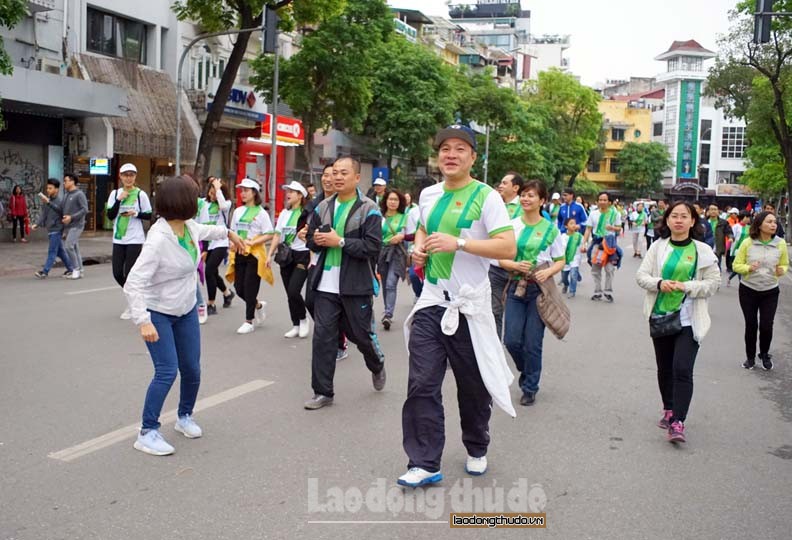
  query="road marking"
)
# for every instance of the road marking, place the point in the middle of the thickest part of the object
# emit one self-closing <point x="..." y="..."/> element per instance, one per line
<point x="108" y="439"/>
<point x="86" y="291"/>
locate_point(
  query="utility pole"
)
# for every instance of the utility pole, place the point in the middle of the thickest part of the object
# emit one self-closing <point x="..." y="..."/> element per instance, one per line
<point x="271" y="40"/>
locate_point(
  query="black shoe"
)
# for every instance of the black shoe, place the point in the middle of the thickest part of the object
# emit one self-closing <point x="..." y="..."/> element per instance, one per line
<point x="211" y="309"/>
<point x="317" y="402"/>
<point x="386" y="323"/>
<point x="767" y="363"/>
<point x="609" y="298"/>
<point x="227" y="300"/>
<point x="40" y="275"/>
<point x="528" y="398"/>
<point x="597" y="297"/>
<point x="749" y="364"/>
<point x="564" y="290"/>
<point x="379" y="379"/>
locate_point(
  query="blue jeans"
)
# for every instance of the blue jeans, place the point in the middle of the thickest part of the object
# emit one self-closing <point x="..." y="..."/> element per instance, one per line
<point x="56" y="249"/>
<point x="177" y="350"/>
<point x="524" y="332"/>
<point x="415" y="281"/>
<point x="570" y="278"/>
<point x="391" y="280"/>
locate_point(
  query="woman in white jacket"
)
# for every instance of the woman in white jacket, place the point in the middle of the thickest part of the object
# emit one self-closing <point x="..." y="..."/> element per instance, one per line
<point x="160" y="290"/>
<point x="679" y="273"/>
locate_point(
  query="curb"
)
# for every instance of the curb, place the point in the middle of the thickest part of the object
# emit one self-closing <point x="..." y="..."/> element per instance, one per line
<point x="29" y="270"/>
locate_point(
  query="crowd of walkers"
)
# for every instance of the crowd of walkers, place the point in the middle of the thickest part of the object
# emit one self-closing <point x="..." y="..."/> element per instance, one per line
<point x="490" y="269"/>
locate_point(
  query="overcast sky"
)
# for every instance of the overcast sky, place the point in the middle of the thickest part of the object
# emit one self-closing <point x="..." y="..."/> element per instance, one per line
<point x="615" y="39"/>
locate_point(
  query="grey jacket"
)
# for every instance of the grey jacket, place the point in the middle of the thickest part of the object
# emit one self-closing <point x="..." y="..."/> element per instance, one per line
<point x="51" y="215"/>
<point x="75" y="205"/>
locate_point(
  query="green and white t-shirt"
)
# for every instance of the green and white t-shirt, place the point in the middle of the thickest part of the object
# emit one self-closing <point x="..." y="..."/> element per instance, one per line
<point x="211" y="213"/>
<point x="331" y="276"/>
<point x="539" y="243"/>
<point x="514" y="208"/>
<point x="740" y="233"/>
<point x="391" y="226"/>
<point x="679" y="264"/>
<point x="129" y="230"/>
<point x="251" y="221"/>
<point x="597" y="221"/>
<point x="475" y="211"/>
<point x="286" y="228"/>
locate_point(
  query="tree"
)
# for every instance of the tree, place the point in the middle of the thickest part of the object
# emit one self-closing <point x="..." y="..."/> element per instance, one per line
<point x="481" y="100"/>
<point x="330" y="79"/>
<point x="412" y="98"/>
<point x="219" y="15"/>
<point x="746" y="71"/>
<point x="11" y="12"/>
<point x="571" y="113"/>
<point x="641" y="167"/>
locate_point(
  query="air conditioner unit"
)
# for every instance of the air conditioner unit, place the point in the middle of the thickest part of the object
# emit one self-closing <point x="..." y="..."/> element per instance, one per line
<point x="49" y="65"/>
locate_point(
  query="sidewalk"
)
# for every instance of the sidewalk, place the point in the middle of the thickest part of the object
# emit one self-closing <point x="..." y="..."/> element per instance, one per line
<point x="20" y="259"/>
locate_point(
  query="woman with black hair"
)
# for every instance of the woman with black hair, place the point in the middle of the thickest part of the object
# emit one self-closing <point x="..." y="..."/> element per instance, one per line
<point x="215" y="212"/>
<point x="17" y="211"/>
<point x="392" y="263"/>
<point x="761" y="259"/>
<point x="679" y="273"/>
<point x="741" y="231"/>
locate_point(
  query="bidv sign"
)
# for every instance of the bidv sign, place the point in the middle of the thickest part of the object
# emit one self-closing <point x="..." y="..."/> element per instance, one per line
<point x="242" y="102"/>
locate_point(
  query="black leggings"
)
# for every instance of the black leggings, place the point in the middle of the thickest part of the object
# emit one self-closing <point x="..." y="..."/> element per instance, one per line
<point x="247" y="282"/>
<point x="675" y="357"/>
<point x="211" y="270"/>
<point x="763" y="304"/>
<point x="21" y="221"/>
<point x="124" y="257"/>
<point x="293" y="277"/>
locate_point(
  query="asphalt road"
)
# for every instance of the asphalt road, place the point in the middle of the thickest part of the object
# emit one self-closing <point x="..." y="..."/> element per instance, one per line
<point x="588" y="452"/>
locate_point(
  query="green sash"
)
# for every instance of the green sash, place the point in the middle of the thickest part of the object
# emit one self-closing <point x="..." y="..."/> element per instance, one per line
<point x="533" y="240"/>
<point x="292" y="224"/>
<point x="127" y="205"/>
<point x="680" y="266"/>
<point x="214" y="213"/>
<point x="391" y="226"/>
<point x="605" y="219"/>
<point x="573" y="244"/>
<point x="187" y="243"/>
<point x="333" y="257"/>
<point x="243" y="225"/>
<point x="743" y="235"/>
<point x="201" y="204"/>
<point x="640" y="219"/>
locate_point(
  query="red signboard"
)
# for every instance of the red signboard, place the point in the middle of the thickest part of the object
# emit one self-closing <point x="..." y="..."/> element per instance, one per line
<point x="287" y="129"/>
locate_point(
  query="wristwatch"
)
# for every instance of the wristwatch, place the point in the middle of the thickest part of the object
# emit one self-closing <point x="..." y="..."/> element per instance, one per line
<point x="461" y="244"/>
<point x="341" y="243"/>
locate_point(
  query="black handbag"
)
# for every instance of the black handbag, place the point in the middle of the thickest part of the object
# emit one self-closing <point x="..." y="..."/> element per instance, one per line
<point x="665" y="325"/>
<point x="284" y="255"/>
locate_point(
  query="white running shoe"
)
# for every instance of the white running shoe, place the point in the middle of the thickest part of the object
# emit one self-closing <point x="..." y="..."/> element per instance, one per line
<point x="292" y="333"/>
<point x="246" y="328"/>
<point x="203" y="316"/>
<point x="305" y="328"/>
<point x="261" y="313"/>
<point x="126" y="315"/>
<point x="153" y="443"/>
<point x="476" y="466"/>
<point x="76" y="274"/>
<point x="187" y="426"/>
<point x="419" y="477"/>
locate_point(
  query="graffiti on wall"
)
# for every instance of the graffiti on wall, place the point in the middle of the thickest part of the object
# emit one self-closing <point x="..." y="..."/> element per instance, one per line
<point x="19" y="165"/>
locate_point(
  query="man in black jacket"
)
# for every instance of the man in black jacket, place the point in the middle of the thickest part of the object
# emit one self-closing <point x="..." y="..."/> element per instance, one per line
<point x="346" y="232"/>
<point x="720" y="230"/>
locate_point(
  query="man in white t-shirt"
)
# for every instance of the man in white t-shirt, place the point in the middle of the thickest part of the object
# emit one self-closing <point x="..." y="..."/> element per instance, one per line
<point x="463" y="225"/>
<point x="603" y="227"/>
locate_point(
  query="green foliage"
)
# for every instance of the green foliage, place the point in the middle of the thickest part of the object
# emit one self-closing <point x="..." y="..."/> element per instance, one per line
<point x="481" y="100"/>
<point x="641" y="167"/>
<point x="11" y="13"/>
<point x="412" y="98"/>
<point x="587" y="189"/>
<point x="571" y="114"/>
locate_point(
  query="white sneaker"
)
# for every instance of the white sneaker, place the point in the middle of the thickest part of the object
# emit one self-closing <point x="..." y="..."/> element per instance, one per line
<point x="76" y="274"/>
<point x="246" y="328"/>
<point x="126" y="315"/>
<point x="476" y="465"/>
<point x="419" y="477"/>
<point x="305" y="328"/>
<point x="202" y="315"/>
<point x="186" y="425"/>
<point x="292" y="333"/>
<point x="261" y="313"/>
<point x="153" y="443"/>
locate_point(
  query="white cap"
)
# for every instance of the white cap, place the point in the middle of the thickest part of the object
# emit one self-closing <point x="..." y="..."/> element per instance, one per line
<point x="128" y="167"/>
<point x="555" y="196"/>
<point x="380" y="182"/>
<point x="248" y="183"/>
<point x="294" y="185"/>
<point x="733" y="211"/>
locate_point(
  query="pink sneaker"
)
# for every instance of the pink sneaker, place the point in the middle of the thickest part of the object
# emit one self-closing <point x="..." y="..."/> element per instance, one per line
<point x="676" y="433"/>
<point x="665" y="421"/>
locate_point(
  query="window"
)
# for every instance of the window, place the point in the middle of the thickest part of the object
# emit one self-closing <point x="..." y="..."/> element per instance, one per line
<point x="614" y="166"/>
<point x="705" y="154"/>
<point x="115" y="36"/>
<point x="617" y="134"/>
<point x="706" y="130"/>
<point x="206" y="67"/>
<point x="733" y="144"/>
<point x="657" y="129"/>
<point x="593" y="166"/>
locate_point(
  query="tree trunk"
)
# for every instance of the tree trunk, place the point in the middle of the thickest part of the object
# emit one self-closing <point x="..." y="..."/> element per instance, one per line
<point x="390" y="163"/>
<point x="308" y="152"/>
<point x="204" y="157"/>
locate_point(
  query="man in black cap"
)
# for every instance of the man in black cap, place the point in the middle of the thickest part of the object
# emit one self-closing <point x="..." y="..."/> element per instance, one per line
<point x="463" y="225"/>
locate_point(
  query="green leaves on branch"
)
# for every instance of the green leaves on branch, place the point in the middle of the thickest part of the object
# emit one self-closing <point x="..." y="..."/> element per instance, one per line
<point x="641" y="167"/>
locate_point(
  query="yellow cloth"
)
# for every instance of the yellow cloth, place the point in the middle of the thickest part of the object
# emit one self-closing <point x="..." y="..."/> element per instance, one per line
<point x="259" y="251"/>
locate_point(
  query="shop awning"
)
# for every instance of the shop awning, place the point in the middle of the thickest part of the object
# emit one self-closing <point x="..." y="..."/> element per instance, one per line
<point x="150" y="125"/>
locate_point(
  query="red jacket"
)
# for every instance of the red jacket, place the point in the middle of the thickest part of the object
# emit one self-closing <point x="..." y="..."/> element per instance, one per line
<point x="17" y="206"/>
